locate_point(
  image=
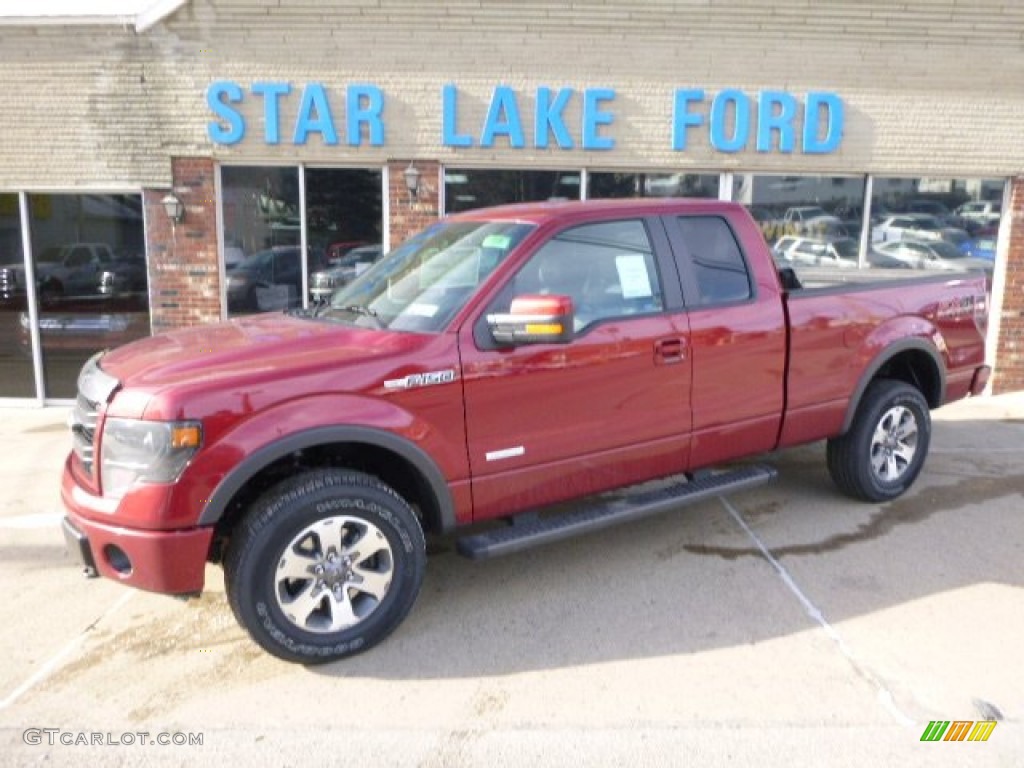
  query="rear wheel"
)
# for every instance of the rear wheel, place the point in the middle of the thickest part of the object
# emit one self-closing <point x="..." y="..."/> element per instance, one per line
<point x="885" y="449"/>
<point x="326" y="565"/>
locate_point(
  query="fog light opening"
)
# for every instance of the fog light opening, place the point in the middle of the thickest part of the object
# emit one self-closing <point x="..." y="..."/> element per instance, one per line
<point x="118" y="560"/>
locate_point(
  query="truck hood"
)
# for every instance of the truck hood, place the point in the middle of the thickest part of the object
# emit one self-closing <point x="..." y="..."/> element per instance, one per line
<point x="247" y="347"/>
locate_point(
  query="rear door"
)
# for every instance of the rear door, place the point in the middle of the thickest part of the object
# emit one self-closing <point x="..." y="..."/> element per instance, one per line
<point x="548" y="422"/>
<point x="737" y="339"/>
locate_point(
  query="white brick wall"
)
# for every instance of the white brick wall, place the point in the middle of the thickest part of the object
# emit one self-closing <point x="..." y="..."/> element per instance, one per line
<point x="932" y="87"/>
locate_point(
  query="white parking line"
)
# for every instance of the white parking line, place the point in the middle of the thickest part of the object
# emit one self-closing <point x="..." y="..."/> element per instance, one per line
<point x="885" y="696"/>
<point x="39" y="520"/>
<point x="54" y="661"/>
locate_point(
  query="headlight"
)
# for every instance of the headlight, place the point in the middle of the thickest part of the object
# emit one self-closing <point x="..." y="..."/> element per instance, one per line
<point x="135" y="451"/>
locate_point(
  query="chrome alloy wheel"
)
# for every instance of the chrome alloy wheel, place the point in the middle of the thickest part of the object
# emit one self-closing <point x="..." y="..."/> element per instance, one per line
<point x="333" y="574"/>
<point x="894" y="444"/>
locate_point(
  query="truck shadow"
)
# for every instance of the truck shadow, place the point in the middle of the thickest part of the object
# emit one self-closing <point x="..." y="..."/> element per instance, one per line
<point x="693" y="580"/>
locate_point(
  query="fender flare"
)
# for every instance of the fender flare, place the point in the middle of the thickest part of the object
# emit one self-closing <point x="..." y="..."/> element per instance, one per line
<point x="883" y="357"/>
<point x="233" y="482"/>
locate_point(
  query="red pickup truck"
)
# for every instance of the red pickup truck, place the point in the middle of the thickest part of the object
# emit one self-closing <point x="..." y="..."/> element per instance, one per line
<point x="500" y="363"/>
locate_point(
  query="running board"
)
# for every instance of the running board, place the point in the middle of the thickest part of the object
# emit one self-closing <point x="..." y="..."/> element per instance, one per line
<point x="531" y="531"/>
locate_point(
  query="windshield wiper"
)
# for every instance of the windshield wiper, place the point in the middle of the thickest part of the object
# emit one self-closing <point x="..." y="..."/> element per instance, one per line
<point x="358" y="309"/>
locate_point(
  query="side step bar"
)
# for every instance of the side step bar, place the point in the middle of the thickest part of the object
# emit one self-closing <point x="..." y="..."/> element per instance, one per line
<point x="531" y="531"/>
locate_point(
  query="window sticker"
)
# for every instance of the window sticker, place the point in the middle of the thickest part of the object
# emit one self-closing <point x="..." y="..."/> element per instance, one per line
<point x="633" y="276"/>
<point x="422" y="310"/>
<point x="500" y="242"/>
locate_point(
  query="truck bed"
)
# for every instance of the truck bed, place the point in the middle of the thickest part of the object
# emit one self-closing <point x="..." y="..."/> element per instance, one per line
<point x="836" y="330"/>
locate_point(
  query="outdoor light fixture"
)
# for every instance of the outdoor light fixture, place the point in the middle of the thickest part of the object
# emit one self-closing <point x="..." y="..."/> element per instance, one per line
<point x="412" y="181"/>
<point x="174" y="207"/>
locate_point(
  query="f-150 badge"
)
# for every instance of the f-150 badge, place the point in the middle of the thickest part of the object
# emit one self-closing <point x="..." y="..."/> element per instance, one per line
<point x="427" y="379"/>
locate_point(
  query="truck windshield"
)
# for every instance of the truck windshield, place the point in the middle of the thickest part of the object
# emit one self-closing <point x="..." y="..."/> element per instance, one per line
<point x="422" y="284"/>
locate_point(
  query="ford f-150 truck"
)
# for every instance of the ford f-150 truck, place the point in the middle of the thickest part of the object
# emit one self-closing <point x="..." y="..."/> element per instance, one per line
<point x="66" y="270"/>
<point x="532" y="365"/>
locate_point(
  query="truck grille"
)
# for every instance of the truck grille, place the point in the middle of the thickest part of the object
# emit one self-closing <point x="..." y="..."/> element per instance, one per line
<point x="94" y="389"/>
<point x="8" y="281"/>
<point x="83" y="430"/>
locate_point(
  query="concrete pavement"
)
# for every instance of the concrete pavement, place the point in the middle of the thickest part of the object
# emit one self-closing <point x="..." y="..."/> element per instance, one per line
<point x="786" y="624"/>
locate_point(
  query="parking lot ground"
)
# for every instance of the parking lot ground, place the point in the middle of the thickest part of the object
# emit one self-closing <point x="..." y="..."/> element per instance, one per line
<point x="782" y="625"/>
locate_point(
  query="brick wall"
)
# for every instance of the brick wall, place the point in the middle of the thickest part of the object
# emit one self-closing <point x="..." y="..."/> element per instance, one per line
<point x="184" y="276"/>
<point x="1009" y="369"/>
<point x="408" y="215"/>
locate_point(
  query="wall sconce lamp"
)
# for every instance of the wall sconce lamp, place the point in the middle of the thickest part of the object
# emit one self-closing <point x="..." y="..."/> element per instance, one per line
<point x="412" y="181"/>
<point x="174" y="207"/>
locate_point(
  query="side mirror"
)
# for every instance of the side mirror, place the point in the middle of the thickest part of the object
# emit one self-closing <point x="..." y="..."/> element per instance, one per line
<point x="534" y="319"/>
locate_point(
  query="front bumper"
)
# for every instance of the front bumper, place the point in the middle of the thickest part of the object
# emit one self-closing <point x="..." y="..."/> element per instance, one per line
<point x="171" y="562"/>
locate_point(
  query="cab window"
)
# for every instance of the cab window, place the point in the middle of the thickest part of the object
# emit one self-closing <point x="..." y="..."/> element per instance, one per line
<point x="719" y="268"/>
<point x="607" y="269"/>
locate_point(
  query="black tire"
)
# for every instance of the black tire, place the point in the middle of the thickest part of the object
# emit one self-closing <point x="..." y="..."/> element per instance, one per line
<point x="292" y="529"/>
<point x="882" y="454"/>
<point x="50" y="290"/>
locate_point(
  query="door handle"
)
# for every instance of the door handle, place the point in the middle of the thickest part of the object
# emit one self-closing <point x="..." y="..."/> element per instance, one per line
<point x="668" y="351"/>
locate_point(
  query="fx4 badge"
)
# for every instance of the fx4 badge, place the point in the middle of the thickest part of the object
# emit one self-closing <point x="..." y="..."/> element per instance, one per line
<point x="427" y="379"/>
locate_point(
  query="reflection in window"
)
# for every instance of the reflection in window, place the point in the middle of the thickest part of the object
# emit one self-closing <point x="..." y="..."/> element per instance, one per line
<point x="91" y="280"/>
<point x="263" y="256"/>
<point x="466" y="189"/>
<point x="825" y="213"/>
<point x="603" y="185"/>
<point x="963" y="213"/>
<point x="16" y="378"/>
<point x="421" y="285"/>
<point x="343" y="210"/>
<point x="260" y="211"/>
<point x="719" y="268"/>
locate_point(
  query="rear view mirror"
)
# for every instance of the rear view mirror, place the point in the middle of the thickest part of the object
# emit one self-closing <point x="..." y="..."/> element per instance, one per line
<point x="534" y="319"/>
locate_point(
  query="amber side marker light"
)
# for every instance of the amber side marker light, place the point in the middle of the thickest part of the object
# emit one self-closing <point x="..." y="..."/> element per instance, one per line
<point x="185" y="436"/>
<point x="547" y="328"/>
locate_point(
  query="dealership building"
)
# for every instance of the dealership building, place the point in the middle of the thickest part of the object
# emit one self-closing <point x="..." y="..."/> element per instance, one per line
<point x="170" y="163"/>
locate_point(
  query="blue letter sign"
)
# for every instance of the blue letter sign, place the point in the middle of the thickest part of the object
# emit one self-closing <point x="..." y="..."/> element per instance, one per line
<point x="593" y="118"/>
<point x="235" y="130"/>
<point x="314" y="99"/>
<point x="503" y="102"/>
<point x="731" y="120"/>
<point x="835" y="115"/>
<point x="363" y="106"/>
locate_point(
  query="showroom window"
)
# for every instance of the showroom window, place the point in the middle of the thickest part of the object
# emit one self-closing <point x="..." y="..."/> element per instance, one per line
<point x="262" y="219"/>
<point x="16" y="378"/>
<point x="466" y="189"/>
<point x="939" y="213"/>
<point x="808" y="221"/>
<point x="89" y="261"/>
<point x="803" y="206"/>
<point x="605" y="184"/>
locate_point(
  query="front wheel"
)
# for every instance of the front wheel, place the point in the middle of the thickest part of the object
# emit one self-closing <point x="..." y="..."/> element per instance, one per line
<point x="326" y="565"/>
<point x="884" y="451"/>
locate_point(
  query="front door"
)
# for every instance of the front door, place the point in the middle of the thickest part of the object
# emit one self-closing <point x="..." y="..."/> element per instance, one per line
<point x="548" y="422"/>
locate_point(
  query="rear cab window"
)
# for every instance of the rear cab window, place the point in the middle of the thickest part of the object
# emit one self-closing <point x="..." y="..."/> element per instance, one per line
<point x="714" y="263"/>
